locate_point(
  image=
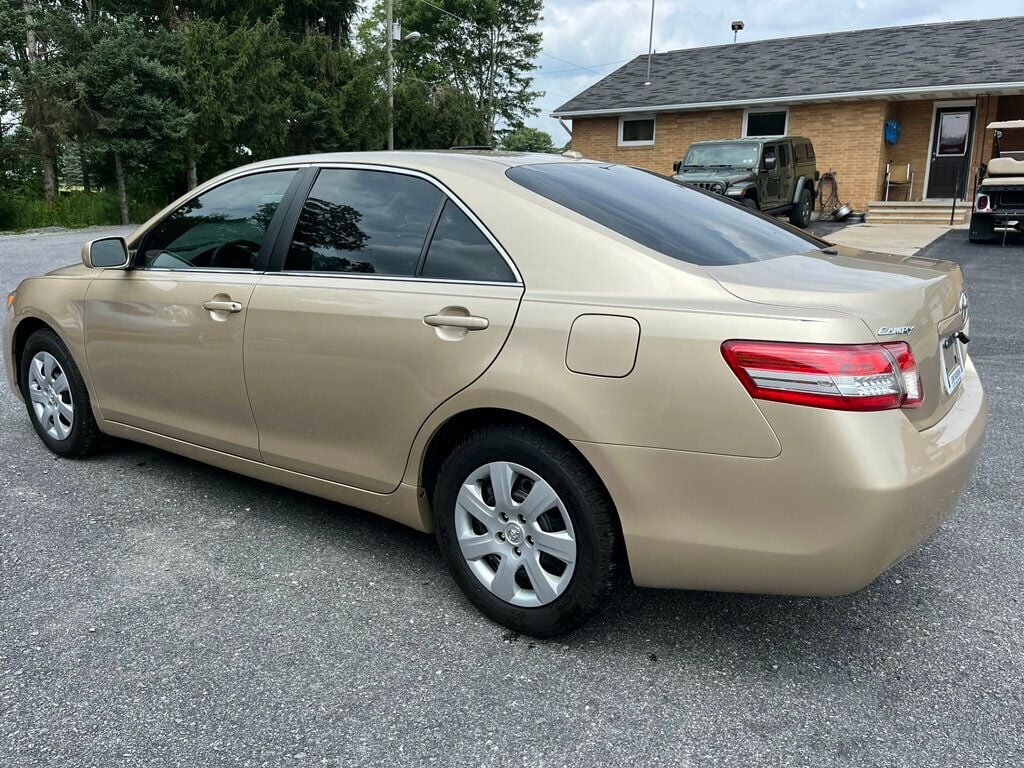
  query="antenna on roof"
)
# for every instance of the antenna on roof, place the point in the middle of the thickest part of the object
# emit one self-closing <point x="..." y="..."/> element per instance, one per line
<point x="736" y="27"/>
<point x="650" y="46"/>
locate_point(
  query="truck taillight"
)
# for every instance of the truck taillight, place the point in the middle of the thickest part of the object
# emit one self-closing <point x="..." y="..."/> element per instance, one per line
<point x="983" y="204"/>
<point x="845" y="377"/>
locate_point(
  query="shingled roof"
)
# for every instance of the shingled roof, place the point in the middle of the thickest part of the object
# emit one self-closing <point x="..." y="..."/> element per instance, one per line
<point x="955" y="58"/>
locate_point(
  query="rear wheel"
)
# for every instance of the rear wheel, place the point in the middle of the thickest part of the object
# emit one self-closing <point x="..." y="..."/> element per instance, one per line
<point x="800" y="213"/>
<point x="527" y="530"/>
<point x="983" y="228"/>
<point x="55" y="395"/>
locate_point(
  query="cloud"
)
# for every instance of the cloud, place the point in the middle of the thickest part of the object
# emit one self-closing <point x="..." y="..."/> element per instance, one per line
<point x="593" y="34"/>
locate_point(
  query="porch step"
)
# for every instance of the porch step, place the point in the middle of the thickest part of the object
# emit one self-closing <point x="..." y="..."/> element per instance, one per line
<point x="917" y="212"/>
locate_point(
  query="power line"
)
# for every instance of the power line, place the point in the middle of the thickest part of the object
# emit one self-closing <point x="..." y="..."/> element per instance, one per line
<point x="575" y="69"/>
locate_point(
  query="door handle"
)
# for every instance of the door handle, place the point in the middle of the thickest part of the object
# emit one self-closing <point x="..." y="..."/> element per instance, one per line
<point x="215" y="305"/>
<point x="469" y="322"/>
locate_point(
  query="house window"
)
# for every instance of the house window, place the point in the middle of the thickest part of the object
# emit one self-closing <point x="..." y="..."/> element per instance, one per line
<point x="636" y="131"/>
<point x="765" y="122"/>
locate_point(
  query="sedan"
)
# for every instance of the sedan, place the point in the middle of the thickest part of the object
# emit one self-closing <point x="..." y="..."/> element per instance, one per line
<point x="571" y="372"/>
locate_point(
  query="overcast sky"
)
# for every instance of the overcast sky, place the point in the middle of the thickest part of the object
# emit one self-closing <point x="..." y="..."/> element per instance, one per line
<point x="600" y="34"/>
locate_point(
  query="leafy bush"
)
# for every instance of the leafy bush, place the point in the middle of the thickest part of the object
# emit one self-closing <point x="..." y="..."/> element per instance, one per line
<point x="71" y="209"/>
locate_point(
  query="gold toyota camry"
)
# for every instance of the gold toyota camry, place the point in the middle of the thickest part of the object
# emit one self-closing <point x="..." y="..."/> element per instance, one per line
<point x="572" y="372"/>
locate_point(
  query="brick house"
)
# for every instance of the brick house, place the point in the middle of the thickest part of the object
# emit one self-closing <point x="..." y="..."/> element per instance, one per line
<point x="941" y="82"/>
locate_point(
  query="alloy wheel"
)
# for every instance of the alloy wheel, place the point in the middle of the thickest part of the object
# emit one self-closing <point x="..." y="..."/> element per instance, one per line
<point x="515" y="534"/>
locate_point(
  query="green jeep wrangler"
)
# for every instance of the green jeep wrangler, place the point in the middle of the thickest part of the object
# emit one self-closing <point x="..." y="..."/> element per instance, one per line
<point x="772" y="174"/>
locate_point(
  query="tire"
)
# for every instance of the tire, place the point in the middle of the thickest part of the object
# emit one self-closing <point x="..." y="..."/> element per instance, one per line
<point x="749" y="202"/>
<point x="536" y="592"/>
<point x="57" y="401"/>
<point x="800" y="213"/>
<point x="982" y="229"/>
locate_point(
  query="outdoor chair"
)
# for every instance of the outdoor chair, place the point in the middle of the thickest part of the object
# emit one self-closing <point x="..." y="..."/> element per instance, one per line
<point x="897" y="176"/>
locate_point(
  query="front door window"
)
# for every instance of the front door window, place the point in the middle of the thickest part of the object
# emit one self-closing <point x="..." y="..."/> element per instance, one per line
<point x="222" y="228"/>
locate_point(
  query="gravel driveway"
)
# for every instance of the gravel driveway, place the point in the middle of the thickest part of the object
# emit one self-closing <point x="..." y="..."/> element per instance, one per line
<point x="155" y="611"/>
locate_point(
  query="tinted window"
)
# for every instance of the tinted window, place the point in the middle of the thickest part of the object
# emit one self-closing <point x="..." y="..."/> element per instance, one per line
<point x="766" y="123"/>
<point x="662" y="214"/>
<point x="783" y="155"/>
<point x="368" y="222"/>
<point x="460" y="251"/>
<point x="220" y="229"/>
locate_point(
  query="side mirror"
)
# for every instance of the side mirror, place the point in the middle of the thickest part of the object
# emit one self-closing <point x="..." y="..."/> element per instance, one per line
<point x="817" y="175"/>
<point x="106" y="253"/>
<point x="769" y="163"/>
<point x="676" y="166"/>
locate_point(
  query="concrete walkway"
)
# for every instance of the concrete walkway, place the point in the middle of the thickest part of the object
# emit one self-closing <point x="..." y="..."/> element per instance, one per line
<point x="901" y="239"/>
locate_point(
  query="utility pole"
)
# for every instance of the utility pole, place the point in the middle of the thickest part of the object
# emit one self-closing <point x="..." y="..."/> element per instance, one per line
<point x="391" y="77"/>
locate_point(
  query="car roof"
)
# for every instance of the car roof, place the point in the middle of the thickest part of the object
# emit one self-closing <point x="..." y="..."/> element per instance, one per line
<point x="428" y="161"/>
<point x="752" y="140"/>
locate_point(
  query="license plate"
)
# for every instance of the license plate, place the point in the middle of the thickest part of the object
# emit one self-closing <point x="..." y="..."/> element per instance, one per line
<point x="952" y="354"/>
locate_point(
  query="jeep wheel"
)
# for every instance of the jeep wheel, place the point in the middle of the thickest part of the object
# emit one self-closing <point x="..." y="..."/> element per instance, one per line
<point x="800" y="214"/>
<point x="749" y="202"/>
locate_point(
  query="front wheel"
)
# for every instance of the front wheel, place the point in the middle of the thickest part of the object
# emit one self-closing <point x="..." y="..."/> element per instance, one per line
<point x="800" y="213"/>
<point x="56" y="397"/>
<point x="527" y="530"/>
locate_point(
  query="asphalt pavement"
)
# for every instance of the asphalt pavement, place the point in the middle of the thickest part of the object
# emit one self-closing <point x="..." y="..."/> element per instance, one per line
<point x="158" y="612"/>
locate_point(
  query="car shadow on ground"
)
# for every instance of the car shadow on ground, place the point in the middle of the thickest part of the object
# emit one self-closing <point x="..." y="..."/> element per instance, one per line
<point x="774" y="629"/>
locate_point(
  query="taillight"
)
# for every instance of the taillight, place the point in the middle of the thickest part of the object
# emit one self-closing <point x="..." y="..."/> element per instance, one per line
<point x="845" y="377"/>
<point x="983" y="203"/>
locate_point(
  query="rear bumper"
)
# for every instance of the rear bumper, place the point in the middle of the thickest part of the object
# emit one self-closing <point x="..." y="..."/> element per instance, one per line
<point x="850" y="494"/>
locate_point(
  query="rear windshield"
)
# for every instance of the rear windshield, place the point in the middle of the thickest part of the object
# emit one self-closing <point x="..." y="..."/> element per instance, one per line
<point x="687" y="224"/>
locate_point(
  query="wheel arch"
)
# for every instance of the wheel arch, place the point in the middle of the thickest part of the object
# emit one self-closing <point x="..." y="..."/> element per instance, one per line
<point x="22" y="331"/>
<point x="453" y="429"/>
<point x="458" y="425"/>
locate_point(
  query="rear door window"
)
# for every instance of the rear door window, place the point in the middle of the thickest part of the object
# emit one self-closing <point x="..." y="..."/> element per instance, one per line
<point x="364" y="222"/>
<point x="662" y="214"/>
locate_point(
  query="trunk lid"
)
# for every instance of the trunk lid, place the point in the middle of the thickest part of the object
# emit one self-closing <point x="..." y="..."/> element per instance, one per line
<point x="899" y="298"/>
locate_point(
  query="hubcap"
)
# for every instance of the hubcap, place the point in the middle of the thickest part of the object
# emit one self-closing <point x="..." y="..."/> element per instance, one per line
<point x="50" y="396"/>
<point x="515" y="534"/>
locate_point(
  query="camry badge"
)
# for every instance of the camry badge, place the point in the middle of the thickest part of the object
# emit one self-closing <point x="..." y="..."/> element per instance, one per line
<point x="895" y="330"/>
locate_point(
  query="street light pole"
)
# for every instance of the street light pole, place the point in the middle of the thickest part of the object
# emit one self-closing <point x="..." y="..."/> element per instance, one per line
<point x="390" y="30"/>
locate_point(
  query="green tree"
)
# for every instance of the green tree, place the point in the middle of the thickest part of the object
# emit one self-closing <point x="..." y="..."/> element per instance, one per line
<point x="130" y="87"/>
<point x="526" y="139"/>
<point x="37" y="78"/>
<point x="485" y="48"/>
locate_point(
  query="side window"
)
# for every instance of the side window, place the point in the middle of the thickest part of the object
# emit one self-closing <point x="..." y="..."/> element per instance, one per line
<point x="367" y="222"/>
<point x="460" y="251"/>
<point x="769" y="152"/>
<point x="783" y="156"/>
<point x="219" y="229"/>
